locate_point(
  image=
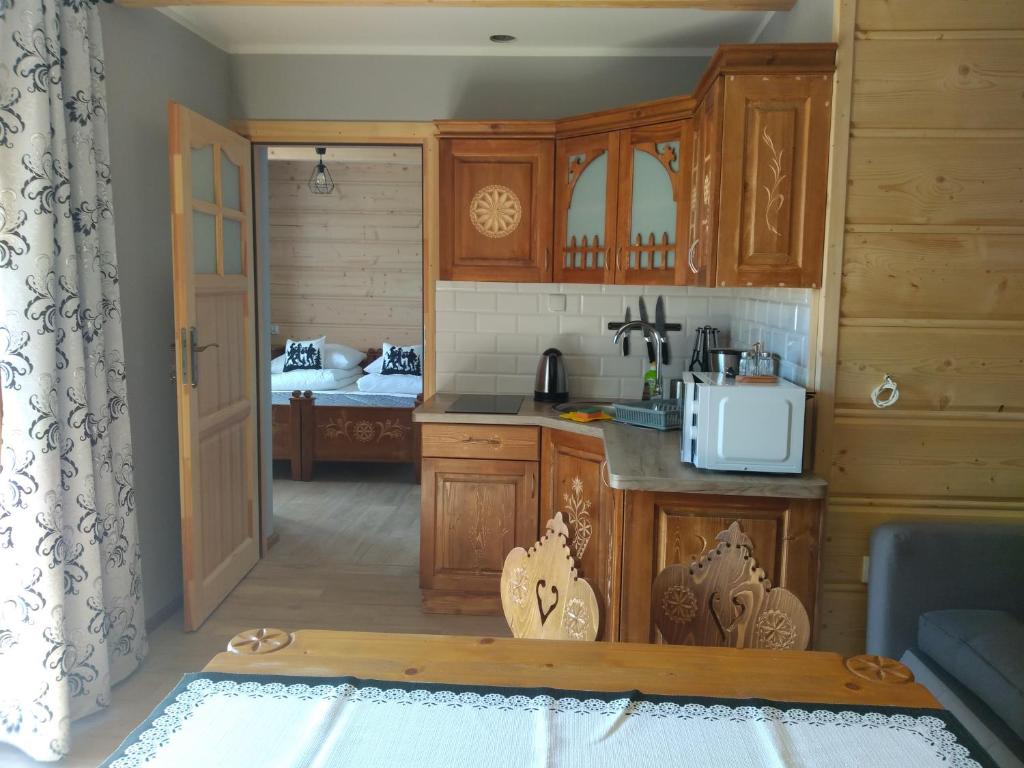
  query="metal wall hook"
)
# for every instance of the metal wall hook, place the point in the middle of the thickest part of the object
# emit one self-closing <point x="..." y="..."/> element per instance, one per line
<point x="887" y="385"/>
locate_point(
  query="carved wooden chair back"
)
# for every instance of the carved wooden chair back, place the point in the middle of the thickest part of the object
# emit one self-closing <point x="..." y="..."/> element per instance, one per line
<point x="541" y="594"/>
<point x="725" y="599"/>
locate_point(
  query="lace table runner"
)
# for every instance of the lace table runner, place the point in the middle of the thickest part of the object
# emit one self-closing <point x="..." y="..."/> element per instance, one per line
<point x="214" y="719"/>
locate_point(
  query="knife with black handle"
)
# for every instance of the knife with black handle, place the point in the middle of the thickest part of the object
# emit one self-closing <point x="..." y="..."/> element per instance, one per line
<point x="625" y="339"/>
<point x="659" y="326"/>
<point x="647" y="336"/>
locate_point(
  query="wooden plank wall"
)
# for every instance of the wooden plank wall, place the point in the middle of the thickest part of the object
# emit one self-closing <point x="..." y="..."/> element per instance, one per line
<point x="932" y="287"/>
<point x="350" y="264"/>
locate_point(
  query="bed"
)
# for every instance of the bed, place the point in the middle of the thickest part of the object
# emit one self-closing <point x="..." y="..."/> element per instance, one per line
<point x="343" y="425"/>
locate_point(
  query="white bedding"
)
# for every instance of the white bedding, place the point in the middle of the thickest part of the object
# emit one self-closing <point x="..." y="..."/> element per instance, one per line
<point x="392" y="384"/>
<point x="324" y="380"/>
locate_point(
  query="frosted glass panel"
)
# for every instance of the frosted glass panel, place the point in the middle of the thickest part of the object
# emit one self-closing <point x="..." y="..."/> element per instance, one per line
<point x="232" y="247"/>
<point x="587" y="208"/>
<point x="654" y="210"/>
<point x="229" y="181"/>
<point x="204" y="243"/>
<point x="202" y="173"/>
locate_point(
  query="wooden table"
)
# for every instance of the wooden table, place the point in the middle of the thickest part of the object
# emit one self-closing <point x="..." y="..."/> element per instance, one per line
<point x="804" y="676"/>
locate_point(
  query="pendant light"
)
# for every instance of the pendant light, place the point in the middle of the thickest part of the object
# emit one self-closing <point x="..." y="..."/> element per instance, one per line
<point x="321" y="182"/>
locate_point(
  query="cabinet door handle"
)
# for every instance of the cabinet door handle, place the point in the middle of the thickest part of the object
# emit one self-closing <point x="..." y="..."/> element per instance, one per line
<point x="485" y="440"/>
<point x="604" y="474"/>
<point x="618" y="259"/>
<point x="689" y="256"/>
<point x="533" y="485"/>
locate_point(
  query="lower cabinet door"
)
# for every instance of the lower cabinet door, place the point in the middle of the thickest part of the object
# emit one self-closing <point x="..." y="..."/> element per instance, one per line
<point x="573" y="484"/>
<point x="473" y="513"/>
<point x="662" y="529"/>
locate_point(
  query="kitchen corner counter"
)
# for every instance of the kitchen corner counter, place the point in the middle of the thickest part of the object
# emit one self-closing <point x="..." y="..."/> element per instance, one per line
<point x="638" y="459"/>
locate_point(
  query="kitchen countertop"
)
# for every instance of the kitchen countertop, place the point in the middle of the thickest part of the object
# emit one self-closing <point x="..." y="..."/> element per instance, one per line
<point x="638" y="459"/>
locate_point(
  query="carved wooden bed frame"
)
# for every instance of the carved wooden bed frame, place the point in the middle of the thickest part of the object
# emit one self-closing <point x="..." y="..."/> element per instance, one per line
<point x="305" y="433"/>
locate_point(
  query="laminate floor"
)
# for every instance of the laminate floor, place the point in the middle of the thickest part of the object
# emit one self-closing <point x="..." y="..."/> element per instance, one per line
<point x="347" y="558"/>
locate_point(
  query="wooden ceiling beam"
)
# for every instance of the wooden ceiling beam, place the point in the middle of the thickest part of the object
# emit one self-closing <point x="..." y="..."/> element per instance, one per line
<point x="706" y="5"/>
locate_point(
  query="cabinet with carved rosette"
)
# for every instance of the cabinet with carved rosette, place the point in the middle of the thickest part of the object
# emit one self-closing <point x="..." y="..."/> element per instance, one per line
<point x="573" y="483"/>
<point x="774" y="174"/>
<point x="662" y="529"/>
<point x="495" y="208"/>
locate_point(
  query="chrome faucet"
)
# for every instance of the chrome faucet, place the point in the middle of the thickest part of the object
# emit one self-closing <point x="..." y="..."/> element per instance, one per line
<point x="649" y="330"/>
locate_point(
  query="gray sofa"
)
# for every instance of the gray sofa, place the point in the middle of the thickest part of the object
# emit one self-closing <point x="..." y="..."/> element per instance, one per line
<point x="948" y="600"/>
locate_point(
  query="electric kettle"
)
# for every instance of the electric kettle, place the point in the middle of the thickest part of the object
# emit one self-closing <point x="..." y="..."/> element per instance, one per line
<point x="552" y="382"/>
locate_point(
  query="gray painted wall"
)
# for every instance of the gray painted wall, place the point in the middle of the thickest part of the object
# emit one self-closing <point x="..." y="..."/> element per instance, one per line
<point x="322" y="87"/>
<point x="810" y="21"/>
<point x="150" y="60"/>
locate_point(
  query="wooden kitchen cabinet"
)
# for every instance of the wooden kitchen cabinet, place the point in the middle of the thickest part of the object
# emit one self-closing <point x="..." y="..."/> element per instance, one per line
<point x="572" y="482"/>
<point x="622" y="205"/>
<point x="473" y="513"/>
<point x="704" y="178"/>
<point x="586" y="206"/>
<point x="774" y="177"/>
<point x="495" y="209"/>
<point x="661" y="529"/>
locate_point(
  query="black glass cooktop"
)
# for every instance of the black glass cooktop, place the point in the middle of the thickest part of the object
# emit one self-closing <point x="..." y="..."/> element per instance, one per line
<point x="503" y="404"/>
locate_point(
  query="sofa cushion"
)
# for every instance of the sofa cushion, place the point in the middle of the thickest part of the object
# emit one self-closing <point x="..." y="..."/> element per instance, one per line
<point x="982" y="650"/>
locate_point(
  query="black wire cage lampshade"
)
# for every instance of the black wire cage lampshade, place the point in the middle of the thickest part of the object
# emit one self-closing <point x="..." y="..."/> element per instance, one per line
<point x="321" y="182"/>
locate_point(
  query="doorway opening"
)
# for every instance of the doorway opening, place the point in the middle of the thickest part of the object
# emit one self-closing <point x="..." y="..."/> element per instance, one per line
<point x="340" y="243"/>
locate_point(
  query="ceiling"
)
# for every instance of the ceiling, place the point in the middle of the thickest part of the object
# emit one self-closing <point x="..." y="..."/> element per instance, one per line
<point x="465" y="31"/>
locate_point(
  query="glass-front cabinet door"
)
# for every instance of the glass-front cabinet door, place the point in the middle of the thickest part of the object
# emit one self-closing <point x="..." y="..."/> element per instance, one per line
<point x="653" y="205"/>
<point x="586" y="185"/>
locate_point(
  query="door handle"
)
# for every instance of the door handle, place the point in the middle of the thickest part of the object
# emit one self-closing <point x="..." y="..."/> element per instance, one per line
<point x="194" y="350"/>
<point x="689" y="256"/>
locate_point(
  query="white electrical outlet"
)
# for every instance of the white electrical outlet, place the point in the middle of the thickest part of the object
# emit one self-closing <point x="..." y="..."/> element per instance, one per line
<point x="274" y="329"/>
<point x="556" y="302"/>
<point x="865" y="564"/>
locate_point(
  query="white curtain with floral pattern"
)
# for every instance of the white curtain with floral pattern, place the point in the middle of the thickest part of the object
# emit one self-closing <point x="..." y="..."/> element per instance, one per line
<point x="71" y="614"/>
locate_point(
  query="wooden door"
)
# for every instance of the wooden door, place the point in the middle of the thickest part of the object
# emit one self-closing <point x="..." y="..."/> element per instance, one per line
<point x="496" y="209"/>
<point x="662" y="529"/>
<point x="586" y="196"/>
<point x="774" y="180"/>
<point x="573" y="483"/>
<point x="211" y="202"/>
<point x="473" y="513"/>
<point x="653" y="204"/>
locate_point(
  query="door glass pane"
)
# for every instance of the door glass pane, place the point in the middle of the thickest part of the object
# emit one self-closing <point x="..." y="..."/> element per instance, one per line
<point x="586" y="214"/>
<point x="202" y="173"/>
<point x="204" y="243"/>
<point x="232" y="247"/>
<point x="229" y="181"/>
<point x="653" y="213"/>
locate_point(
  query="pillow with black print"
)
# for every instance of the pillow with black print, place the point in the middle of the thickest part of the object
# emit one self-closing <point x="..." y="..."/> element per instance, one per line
<point x="305" y="355"/>
<point x="402" y="360"/>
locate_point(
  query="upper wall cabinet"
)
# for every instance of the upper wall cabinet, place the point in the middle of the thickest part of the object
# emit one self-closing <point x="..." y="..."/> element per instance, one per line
<point x="725" y="187"/>
<point x="495" y="209"/>
<point x="774" y="174"/>
<point x="622" y="206"/>
<point x="586" y="197"/>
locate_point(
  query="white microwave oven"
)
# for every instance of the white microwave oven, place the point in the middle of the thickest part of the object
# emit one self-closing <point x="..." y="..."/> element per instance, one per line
<point x="728" y="425"/>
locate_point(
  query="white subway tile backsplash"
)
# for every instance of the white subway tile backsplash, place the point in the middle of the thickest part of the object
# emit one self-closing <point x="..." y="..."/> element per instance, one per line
<point x="490" y="335"/>
<point x="515" y="343"/>
<point x="494" y="323"/>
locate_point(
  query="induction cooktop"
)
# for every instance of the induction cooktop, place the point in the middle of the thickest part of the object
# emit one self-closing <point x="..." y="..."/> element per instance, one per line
<point x="502" y="404"/>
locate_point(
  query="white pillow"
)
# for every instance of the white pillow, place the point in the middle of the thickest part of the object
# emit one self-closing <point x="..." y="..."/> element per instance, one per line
<point x="391" y="384"/>
<point x="304" y="355"/>
<point x="340" y="356"/>
<point x="324" y="379"/>
<point x="277" y="364"/>
<point x="376" y="366"/>
<point x="402" y="361"/>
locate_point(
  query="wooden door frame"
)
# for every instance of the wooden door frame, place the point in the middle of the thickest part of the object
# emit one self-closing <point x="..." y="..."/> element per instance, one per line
<point x="378" y="133"/>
